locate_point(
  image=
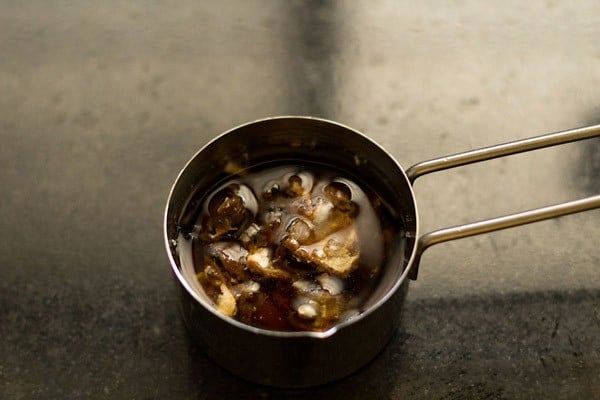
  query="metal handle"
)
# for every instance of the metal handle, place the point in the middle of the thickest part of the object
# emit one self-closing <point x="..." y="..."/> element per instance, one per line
<point x="507" y="221"/>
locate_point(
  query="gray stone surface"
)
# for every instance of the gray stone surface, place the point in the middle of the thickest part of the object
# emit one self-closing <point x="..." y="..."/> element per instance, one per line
<point x="101" y="104"/>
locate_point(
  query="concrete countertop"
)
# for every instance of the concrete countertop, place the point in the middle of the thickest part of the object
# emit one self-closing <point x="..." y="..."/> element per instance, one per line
<point x="102" y="103"/>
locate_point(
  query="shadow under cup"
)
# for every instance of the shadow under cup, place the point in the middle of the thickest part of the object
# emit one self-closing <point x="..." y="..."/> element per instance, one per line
<point x="294" y="359"/>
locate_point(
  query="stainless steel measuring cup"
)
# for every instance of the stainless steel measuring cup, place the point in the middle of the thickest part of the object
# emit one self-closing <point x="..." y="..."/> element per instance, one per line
<point x="299" y="359"/>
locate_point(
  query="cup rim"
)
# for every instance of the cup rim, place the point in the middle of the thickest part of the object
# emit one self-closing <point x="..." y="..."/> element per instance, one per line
<point x="288" y="334"/>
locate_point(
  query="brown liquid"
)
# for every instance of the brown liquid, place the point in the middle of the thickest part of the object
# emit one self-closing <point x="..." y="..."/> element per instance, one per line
<point x="289" y="247"/>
